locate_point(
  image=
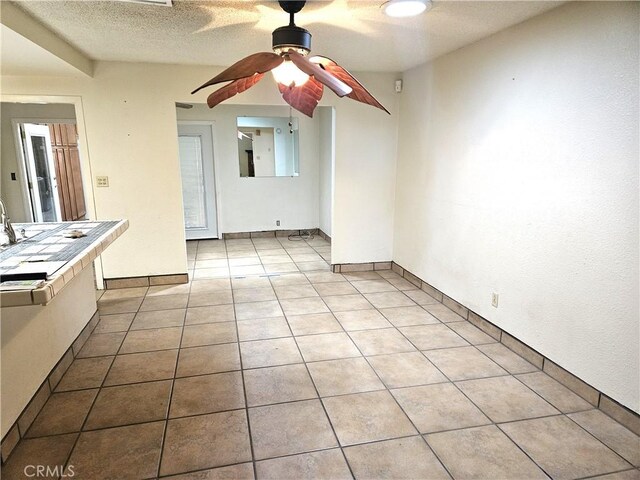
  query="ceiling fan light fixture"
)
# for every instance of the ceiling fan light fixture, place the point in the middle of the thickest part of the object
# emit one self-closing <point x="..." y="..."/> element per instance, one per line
<point x="406" y="8"/>
<point x="289" y="75"/>
<point x="300" y="80"/>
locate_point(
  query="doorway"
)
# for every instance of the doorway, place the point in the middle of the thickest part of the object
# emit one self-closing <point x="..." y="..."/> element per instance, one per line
<point x="195" y="144"/>
<point x="42" y="177"/>
<point x="40" y="172"/>
<point x="46" y="110"/>
<point x="52" y="174"/>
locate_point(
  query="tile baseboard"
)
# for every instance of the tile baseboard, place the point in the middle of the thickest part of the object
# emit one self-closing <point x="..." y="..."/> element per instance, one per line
<point x="268" y="233"/>
<point x="148" y="281"/>
<point x="359" y="267"/>
<point x="606" y="404"/>
<point x="31" y="411"/>
<point x="324" y="236"/>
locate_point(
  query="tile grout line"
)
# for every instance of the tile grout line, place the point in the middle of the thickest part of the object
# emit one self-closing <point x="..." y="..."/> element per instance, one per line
<point x="386" y="387"/>
<point x="388" y="390"/>
<point x="610" y="473"/>
<point x="173" y="381"/>
<point x="593" y="436"/>
<point x="492" y="422"/>
<point x="470" y="400"/>
<point x="75" y="444"/>
<point x="319" y="398"/>
<point x="452" y="382"/>
<point x="244" y="387"/>
<point x="73" y="448"/>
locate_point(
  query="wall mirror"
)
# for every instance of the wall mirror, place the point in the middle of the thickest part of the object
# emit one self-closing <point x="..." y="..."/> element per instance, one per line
<point x="268" y="146"/>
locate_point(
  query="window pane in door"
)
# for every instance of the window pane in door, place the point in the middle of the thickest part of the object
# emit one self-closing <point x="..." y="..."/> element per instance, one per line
<point x="193" y="188"/>
<point x="43" y="177"/>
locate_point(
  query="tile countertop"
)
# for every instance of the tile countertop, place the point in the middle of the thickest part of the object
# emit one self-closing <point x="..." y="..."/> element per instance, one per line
<point x="47" y="249"/>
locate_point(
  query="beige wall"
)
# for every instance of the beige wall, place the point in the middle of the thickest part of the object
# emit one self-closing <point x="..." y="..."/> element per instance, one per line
<point x="12" y="191"/>
<point x="130" y="122"/>
<point x="35" y="338"/>
<point x="518" y="174"/>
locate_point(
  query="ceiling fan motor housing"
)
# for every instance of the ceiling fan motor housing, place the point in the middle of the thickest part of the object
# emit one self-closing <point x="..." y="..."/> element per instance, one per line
<point x="291" y="37"/>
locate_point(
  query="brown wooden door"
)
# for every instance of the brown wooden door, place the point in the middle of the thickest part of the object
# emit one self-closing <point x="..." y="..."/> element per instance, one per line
<point x="64" y="143"/>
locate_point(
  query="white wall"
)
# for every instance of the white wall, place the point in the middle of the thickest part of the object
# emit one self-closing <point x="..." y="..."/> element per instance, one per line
<point x="12" y="190"/>
<point x="130" y="117"/>
<point x="253" y="204"/>
<point x="326" y="117"/>
<point x="518" y="174"/>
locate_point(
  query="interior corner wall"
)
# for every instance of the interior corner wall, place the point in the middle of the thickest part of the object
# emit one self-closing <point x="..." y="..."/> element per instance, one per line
<point x="254" y="204"/>
<point x="518" y="174"/>
<point x="12" y="189"/>
<point x="326" y="118"/>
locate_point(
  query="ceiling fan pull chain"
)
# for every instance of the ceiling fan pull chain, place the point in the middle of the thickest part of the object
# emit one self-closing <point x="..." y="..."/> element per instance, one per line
<point x="290" y="120"/>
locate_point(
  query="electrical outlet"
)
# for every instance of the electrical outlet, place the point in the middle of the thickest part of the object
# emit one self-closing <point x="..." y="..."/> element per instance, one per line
<point x="102" y="181"/>
<point x="277" y="223"/>
<point x="494" y="299"/>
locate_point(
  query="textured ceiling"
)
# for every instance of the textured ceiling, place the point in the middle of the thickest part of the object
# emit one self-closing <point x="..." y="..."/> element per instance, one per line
<point x="353" y="32"/>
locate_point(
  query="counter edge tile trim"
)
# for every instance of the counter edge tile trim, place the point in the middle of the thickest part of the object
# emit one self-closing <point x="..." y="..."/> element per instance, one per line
<point x="59" y="279"/>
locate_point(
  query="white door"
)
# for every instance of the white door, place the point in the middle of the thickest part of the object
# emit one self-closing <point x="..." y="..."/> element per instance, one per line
<point x="198" y="185"/>
<point x="43" y="185"/>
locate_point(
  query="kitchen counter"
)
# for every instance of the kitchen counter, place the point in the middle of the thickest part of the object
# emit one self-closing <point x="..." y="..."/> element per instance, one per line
<point x="43" y="329"/>
<point x="47" y="249"/>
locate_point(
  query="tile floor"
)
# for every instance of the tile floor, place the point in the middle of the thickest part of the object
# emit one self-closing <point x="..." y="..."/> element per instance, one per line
<point x="269" y="366"/>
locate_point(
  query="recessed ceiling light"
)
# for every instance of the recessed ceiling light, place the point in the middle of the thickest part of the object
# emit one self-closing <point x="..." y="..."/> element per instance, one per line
<point x="406" y="8"/>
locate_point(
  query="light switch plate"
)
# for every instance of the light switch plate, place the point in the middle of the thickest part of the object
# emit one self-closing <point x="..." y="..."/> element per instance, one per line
<point x="494" y="299"/>
<point x="102" y="181"/>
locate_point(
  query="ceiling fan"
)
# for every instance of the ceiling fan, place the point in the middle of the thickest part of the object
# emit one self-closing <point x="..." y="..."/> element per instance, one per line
<point x="301" y="80"/>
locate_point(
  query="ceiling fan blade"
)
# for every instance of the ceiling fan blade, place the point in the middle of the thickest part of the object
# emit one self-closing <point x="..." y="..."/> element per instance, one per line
<point x="235" y="87"/>
<point x="359" y="93"/>
<point x="260" y="62"/>
<point x="338" y="86"/>
<point x="304" y="98"/>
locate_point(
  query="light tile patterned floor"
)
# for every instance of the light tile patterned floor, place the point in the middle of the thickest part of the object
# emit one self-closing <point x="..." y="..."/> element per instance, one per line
<point x="267" y="365"/>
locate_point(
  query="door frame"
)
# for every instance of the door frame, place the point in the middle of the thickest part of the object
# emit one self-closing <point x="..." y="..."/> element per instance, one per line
<point x="83" y="149"/>
<point x="216" y="180"/>
<point x="30" y="164"/>
<point x="22" y="161"/>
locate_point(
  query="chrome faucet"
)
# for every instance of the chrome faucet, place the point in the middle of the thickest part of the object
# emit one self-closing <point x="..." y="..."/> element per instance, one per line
<point x="6" y="224"/>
